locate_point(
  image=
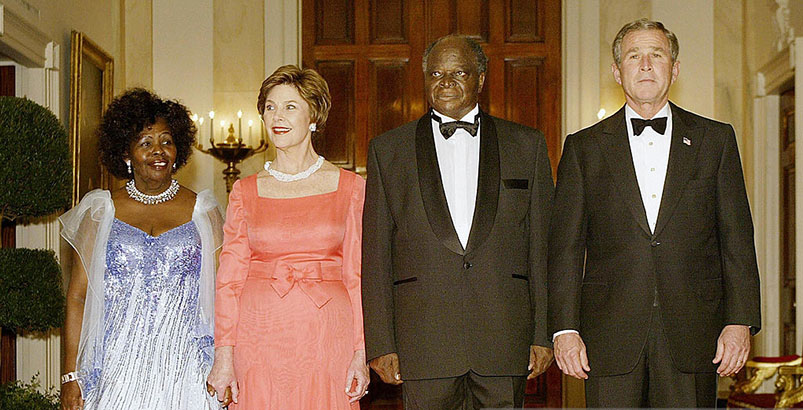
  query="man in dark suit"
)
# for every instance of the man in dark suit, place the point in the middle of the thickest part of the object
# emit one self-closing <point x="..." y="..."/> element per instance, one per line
<point x="653" y="283"/>
<point x="454" y="245"/>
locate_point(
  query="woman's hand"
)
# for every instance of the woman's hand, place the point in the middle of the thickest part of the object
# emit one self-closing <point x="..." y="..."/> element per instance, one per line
<point x="71" y="396"/>
<point x="358" y="371"/>
<point x="221" y="379"/>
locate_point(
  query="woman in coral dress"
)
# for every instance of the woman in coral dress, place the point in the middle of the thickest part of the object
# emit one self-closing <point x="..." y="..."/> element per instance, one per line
<point x="288" y="315"/>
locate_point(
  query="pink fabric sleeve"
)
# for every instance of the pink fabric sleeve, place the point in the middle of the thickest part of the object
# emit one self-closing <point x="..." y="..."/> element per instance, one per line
<point x="234" y="261"/>
<point x="352" y="257"/>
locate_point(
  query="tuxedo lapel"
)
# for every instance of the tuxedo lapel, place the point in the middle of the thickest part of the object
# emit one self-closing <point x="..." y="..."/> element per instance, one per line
<point x="487" y="184"/>
<point x="615" y="148"/>
<point x="682" y="155"/>
<point x="431" y="186"/>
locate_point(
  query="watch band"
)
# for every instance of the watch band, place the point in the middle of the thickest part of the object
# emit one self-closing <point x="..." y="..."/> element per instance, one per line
<point x="69" y="377"/>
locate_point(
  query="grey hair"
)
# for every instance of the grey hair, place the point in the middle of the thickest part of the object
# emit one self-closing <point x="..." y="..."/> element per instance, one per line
<point x="479" y="55"/>
<point x="644" y="24"/>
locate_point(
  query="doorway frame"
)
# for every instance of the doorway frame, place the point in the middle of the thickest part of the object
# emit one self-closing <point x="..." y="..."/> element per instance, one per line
<point x="765" y="200"/>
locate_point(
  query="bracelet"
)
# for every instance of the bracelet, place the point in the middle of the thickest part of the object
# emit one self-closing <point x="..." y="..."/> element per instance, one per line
<point x="69" y="377"/>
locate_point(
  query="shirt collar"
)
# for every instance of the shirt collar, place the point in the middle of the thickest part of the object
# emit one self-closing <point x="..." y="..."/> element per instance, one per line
<point x="467" y="118"/>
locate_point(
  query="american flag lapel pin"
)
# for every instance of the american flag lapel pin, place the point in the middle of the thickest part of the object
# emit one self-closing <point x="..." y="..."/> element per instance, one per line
<point x="687" y="141"/>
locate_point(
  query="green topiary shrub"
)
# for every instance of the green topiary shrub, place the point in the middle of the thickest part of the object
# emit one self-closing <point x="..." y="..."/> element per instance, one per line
<point x="19" y="395"/>
<point x="30" y="285"/>
<point x="36" y="171"/>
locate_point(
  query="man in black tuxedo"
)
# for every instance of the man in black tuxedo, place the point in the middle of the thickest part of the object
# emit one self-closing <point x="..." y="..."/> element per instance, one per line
<point x="653" y="283"/>
<point x="454" y="245"/>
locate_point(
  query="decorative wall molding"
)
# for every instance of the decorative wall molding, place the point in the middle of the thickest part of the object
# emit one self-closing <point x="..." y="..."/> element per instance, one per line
<point x="775" y="73"/>
<point x="20" y="40"/>
<point x="785" y="32"/>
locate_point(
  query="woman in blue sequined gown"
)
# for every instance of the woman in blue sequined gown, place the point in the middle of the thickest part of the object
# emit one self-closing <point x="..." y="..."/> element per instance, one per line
<point x="140" y="305"/>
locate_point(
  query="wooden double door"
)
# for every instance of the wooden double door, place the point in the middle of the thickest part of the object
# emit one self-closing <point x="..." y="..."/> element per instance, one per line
<point x="370" y="52"/>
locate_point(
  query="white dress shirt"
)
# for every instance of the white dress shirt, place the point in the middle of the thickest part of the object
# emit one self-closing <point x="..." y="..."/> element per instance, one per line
<point x="650" y="152"/>
<point x="650" y="158"/>
<point x="458" y="160"/>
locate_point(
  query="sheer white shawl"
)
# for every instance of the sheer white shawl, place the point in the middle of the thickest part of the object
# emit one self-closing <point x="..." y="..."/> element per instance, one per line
<point x="86" y="228"/>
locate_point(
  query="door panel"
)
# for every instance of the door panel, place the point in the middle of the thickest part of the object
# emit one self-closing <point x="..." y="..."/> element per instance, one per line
<point x="338" y="143"/>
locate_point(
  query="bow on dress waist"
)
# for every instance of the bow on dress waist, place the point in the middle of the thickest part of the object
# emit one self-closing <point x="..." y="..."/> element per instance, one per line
<point x="284" y="275"/>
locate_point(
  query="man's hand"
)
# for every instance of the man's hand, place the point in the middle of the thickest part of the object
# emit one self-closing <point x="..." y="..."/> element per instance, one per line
<point x="733" y="346"/>
<point x="387" y="367"/>
<point x="570" y="354"/>
<point x="540" y="359"/>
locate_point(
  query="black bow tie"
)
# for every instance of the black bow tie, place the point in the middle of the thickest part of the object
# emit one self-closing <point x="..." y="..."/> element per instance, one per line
<point x="448" y="128"/>
<point x="658" y="124"/>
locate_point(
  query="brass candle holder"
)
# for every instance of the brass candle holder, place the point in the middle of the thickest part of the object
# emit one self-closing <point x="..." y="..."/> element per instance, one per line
<point x="232" y="151"/>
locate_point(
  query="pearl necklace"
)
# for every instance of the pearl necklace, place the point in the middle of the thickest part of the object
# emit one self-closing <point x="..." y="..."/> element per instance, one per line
<point x="138" y="196"/>
<point x="281" y="176"/>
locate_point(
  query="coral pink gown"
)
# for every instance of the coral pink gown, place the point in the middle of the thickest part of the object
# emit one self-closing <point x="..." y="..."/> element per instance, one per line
<point x="288" y="295"/>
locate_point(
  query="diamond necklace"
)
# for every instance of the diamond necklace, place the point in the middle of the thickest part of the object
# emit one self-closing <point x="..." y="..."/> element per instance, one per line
<point x="138" y="196"/>
<point x="281" y="176"/>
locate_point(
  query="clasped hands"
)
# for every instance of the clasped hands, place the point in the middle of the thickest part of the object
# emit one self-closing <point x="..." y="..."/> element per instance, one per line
<point x="387" y="366"/>
<point x="222" y="379"/>
<point x="733" y="346"/>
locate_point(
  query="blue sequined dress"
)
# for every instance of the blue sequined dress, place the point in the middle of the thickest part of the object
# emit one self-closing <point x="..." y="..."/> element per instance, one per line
<point x="152" y="358"/>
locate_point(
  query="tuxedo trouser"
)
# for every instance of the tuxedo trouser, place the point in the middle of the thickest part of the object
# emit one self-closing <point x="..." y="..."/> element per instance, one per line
<point x="469" y="391"/>
<point x="655" y="381"/>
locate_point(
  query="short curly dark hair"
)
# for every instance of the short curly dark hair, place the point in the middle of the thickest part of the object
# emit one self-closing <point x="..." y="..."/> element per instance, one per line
<point x="128" y="115"/>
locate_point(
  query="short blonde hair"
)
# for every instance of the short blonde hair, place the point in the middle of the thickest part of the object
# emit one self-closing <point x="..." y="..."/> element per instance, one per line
<point x="310" y="85"/>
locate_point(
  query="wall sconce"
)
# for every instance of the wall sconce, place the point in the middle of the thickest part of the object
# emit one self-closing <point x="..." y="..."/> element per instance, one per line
<point x="232" y="150"/>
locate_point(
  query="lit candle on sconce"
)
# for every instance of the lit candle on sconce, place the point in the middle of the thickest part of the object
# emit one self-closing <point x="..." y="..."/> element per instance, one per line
<point x="250" y="138"/>
<point x="200" y="127"/>
<point x="194" y="118"/>
<point x="223" y="129"/>
<point x="211" y="125"/>
<point x="240" y="125"/>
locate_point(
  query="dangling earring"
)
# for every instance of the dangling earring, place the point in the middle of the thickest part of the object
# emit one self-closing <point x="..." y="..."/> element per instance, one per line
<point x="313" y="127"/>
<point x="128" y="163"/>
<point x="174" y="166"/>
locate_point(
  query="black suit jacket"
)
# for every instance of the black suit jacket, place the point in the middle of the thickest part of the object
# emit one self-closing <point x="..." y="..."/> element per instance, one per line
<point x="605" y="266"/>
<point x="443" y="309"/>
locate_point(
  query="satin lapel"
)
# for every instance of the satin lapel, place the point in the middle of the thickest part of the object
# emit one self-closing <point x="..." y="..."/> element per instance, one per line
<point x="487" y="184"/>
<point x="431" y="185"/>
<point x="616" y="151"/>
<point x="682" y="155"/>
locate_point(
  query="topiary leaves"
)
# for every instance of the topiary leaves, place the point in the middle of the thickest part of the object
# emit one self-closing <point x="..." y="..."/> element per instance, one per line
<point x="35" y="166"/>
<point x="30" y="282"/>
